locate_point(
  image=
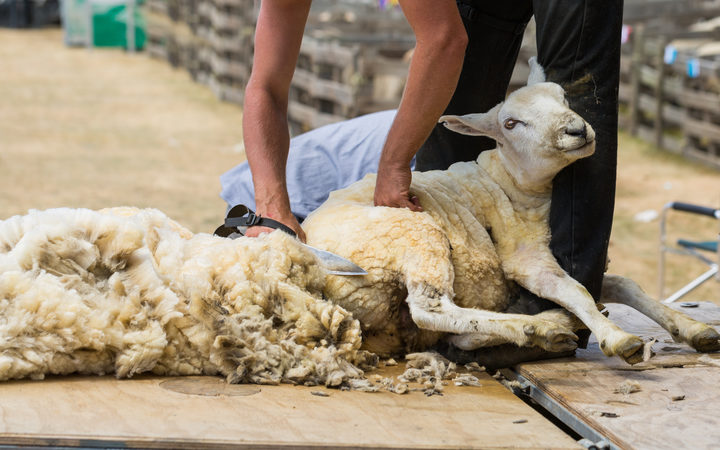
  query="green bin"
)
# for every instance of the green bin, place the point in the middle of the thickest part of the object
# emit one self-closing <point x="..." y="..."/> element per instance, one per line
<point x="107" y="20"/>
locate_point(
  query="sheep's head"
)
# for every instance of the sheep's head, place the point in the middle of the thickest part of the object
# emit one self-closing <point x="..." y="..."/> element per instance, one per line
<point x="536" y="131"/>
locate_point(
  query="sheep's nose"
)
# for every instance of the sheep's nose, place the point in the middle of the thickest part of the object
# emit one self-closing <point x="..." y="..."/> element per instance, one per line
<point x="577" y="129"/>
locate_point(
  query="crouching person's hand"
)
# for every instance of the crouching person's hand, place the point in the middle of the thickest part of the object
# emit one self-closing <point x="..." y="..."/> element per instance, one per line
<point x="393" y="188"/>
<point x="287" y="218"/>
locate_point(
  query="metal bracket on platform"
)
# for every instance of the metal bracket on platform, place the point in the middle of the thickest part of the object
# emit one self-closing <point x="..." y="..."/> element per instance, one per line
<point x="592" y="439"/>
<point x="590" y="445"/>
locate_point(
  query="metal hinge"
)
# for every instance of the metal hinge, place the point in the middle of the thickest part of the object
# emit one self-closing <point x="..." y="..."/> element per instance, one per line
<point x="600" y="445"/>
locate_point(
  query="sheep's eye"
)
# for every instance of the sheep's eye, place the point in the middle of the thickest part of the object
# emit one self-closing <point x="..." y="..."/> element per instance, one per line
<point x="510" y="123"/>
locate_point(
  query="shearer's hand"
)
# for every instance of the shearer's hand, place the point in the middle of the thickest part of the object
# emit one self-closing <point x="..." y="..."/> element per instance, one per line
<point x="284" y="217"/>
<point x="393" y="188"/>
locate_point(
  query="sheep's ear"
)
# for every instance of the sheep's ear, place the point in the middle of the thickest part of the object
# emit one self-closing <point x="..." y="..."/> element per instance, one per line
<point x="537" y="73"/>
<point x="481" y="124"/>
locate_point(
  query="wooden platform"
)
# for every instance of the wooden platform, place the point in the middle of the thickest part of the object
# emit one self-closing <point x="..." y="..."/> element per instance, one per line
<point x="204" y="412"/>
<point x="678" y="401"/>
<point x="671" y="401"/>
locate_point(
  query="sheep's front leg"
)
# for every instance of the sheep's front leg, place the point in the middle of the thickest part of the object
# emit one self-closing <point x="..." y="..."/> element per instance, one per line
<point x="435" y="311"/>
<point x="701" y="337"/>
<point x="540" y="274"/>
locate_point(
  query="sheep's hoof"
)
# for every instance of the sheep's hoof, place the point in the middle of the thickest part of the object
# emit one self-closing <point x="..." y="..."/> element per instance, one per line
<point x="630" y="348"/>
<point x="551" y="337"/>
<point x="561" y="341"/>
<point x="707" y="340"/>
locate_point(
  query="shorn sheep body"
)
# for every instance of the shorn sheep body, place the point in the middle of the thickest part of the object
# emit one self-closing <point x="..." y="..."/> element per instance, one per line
<point x="127" y="291"/>
<point x="451" y="271"/>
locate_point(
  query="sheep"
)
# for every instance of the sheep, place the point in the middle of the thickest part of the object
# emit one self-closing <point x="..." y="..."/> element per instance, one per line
<point x="125" y="291"/>
<point x="450" y="271"/>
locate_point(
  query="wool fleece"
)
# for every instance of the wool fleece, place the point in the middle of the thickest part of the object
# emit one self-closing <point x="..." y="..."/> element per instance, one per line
<point x="125" y="291"/>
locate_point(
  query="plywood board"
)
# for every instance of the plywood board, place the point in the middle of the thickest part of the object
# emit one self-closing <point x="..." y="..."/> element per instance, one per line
<point x="678" y="401"/>
<point x="203" y="412"/>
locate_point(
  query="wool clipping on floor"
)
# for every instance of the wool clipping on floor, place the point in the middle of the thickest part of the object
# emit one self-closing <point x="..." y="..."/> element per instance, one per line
<point x="125" y="291"/>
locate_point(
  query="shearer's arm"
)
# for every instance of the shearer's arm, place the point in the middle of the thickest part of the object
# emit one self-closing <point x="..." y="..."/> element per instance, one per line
<point x="434" y="72"/>
<point x="278" y="36"/>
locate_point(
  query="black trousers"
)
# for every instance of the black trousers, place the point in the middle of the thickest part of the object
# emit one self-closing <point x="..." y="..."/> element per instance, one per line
<point x="579" y="47"/>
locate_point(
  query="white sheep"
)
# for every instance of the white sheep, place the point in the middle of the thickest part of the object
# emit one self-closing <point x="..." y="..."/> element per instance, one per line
<point x="451" y="269"/>
<point x="126" y="291"/>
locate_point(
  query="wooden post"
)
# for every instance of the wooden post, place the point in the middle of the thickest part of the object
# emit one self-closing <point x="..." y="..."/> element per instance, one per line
<point x="638" y="41"/>
<point x="660" y="92"/>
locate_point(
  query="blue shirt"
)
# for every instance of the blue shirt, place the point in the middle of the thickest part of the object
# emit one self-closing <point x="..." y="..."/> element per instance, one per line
<point x="319" y="162"/>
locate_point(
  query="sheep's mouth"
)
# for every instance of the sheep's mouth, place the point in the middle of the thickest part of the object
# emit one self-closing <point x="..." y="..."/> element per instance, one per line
<point x="586" y="149"/>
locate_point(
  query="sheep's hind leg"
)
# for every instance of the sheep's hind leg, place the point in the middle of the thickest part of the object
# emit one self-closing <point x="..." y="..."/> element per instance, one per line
<point x="702" y="337"/>
<point x="542" y="276"/>
<point x="559" y="316"/>
<point x="478" y="328"/>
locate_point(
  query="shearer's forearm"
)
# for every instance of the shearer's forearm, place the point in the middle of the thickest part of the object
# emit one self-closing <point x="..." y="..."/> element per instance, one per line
<point x="278" y="36"/>
<point x="266" y="145"/>
<point x="426" y="96"/>
<point x="434" y="72"/>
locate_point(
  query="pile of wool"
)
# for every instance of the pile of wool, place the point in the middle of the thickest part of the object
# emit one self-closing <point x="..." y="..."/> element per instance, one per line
<point x="127" y="291"/>
<point x="430" y="370"/>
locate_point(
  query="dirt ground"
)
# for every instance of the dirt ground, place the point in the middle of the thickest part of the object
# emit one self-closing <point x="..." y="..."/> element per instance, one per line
<point x="102" y="128"/>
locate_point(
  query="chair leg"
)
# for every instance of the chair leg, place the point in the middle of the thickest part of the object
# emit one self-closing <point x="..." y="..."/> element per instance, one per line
<point x="686" y="249"/>
<point x="693" y="284"/>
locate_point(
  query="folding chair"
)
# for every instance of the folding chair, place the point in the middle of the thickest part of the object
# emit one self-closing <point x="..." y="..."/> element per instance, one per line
<point x="705" y="251"/>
